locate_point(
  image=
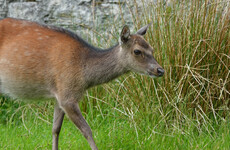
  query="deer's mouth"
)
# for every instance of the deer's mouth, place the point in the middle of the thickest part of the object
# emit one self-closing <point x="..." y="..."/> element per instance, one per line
<point x="158" y="73"/>
<point x="151" y="74"/>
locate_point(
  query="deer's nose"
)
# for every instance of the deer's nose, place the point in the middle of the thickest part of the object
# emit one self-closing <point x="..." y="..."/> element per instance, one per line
<point x="160" y="71"/>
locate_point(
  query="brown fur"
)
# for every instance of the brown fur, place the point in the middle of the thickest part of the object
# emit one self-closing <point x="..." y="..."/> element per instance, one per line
<point x="40" y="62"/>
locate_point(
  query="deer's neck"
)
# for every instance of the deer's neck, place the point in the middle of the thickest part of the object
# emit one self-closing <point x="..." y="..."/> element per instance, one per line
<point x="102" y="66"/>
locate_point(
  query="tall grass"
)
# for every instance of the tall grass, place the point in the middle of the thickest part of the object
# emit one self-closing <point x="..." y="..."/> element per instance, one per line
<point x="192" y="42"/>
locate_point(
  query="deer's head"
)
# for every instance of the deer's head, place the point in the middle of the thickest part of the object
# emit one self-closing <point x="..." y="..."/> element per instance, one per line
<point x="138" y="53"/>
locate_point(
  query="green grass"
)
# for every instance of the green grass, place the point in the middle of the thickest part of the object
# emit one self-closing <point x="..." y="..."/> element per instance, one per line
<point x="110" y="133"/>
<point x="188" y="108"/>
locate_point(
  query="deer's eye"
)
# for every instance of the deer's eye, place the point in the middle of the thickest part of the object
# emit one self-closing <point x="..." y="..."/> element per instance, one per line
<point x="137" y="52"/>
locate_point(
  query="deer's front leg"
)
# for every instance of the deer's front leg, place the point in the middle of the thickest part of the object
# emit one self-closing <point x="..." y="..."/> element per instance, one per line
<point x="72" y="109"/>
<point x="57" y="123"/>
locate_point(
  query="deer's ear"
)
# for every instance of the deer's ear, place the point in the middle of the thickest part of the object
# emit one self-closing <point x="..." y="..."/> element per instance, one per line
<point x="142" y="31"/>
<point x="125" y="34"/>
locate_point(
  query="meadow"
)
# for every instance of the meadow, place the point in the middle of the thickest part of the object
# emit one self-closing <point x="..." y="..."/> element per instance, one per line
<point x="187" y="108"/>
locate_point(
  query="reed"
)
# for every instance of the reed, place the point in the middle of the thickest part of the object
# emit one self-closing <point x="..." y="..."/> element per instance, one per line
<point x="192" y="42"/>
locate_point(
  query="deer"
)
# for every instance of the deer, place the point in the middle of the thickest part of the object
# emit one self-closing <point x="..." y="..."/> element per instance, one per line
<point x="40" y="61"/>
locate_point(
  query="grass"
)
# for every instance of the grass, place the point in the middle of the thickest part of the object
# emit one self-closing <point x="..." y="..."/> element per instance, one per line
<point x="110" y="133"/>
<point x="186" y="109"/>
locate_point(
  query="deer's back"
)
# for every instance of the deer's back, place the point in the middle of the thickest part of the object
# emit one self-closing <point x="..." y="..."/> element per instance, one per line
<point x="36" y="61"/>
